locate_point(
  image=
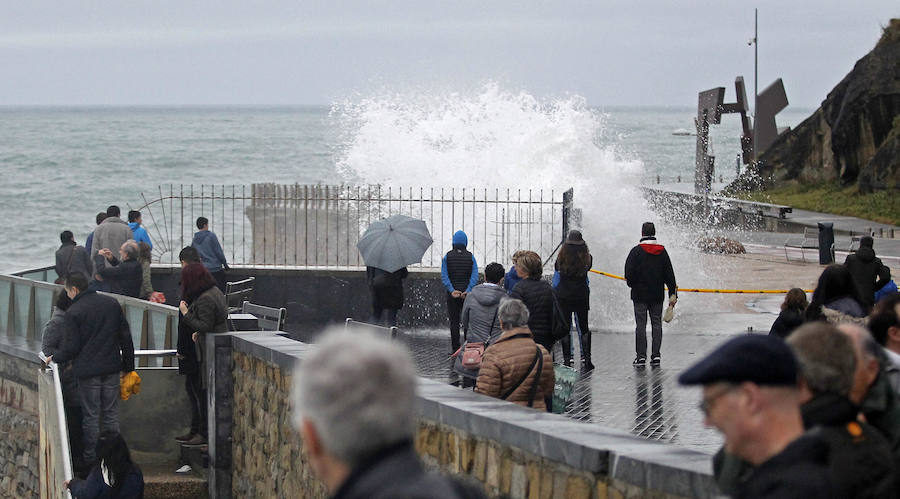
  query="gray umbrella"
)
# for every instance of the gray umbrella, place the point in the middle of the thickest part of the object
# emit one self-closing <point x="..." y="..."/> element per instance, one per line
<point x="394" y="242"/>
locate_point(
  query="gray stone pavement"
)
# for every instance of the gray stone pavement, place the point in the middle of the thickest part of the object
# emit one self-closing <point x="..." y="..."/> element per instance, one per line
<point x="648" y="401"/>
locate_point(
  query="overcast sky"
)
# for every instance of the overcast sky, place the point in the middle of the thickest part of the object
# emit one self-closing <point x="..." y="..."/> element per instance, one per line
<point x="649" y="52"/>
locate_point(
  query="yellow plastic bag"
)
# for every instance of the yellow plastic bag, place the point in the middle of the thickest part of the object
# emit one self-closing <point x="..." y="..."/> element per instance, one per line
<point x="129" y="385"/>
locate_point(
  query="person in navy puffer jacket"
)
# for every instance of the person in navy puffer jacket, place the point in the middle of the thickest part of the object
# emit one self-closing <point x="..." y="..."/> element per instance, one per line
<point x="459" y="274"/>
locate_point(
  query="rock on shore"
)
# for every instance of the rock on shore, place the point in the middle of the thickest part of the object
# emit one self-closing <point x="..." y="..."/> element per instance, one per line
<point x="854" y="136"/>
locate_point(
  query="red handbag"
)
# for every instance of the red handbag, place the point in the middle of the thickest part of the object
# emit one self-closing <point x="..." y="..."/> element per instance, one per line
<point x="472" y="355"/>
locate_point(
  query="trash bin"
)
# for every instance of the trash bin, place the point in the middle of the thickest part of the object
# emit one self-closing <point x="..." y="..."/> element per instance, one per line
<point x="826" y="242"/>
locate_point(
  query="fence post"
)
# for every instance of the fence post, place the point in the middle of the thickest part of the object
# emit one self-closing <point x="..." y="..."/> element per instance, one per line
<point x="567" y="211"/>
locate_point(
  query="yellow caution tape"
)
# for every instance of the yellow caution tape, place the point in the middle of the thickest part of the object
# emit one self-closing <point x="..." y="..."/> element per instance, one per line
<point x="723" y="291"/>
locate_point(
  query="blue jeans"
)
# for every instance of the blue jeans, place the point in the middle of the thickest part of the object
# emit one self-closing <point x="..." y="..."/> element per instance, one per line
<point x="641" y="310"/>
<point x="100" y="410"/>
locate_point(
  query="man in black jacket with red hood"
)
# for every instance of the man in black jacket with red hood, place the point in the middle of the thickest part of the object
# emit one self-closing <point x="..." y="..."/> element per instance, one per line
<point x="647" y="269"/>
<point x="868" y="272"/>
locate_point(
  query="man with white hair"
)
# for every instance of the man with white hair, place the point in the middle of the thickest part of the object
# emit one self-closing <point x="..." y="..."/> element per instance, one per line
<point x="354" y="399"/>
<point x="124" y="274"/>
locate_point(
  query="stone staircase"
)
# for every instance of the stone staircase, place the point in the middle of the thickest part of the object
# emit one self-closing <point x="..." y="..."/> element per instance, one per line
<point x="161" y="481"/>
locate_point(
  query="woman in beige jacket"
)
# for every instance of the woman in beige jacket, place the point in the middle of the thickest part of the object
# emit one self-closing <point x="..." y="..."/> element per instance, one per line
<point x="514" y="367"/>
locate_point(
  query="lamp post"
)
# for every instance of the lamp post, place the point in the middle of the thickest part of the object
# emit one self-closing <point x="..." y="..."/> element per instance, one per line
<point x="755" y="42"/>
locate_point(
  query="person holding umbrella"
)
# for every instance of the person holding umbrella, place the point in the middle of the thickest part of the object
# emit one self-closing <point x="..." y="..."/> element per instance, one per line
<point x="386" y="289"/>
<point x="387" y="247"/>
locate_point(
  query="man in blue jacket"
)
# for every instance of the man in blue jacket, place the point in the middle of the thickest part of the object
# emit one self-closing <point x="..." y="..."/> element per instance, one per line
<point x="211" y="254"/>
<point x="140" y="233"/>
<point x="97" y="338"/>
<point x="459" y="273"/>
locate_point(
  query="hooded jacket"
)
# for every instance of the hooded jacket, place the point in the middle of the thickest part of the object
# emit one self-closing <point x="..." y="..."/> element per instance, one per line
<point x="647" y="269"/>
<point x="479" y="312"/>
<point x="207" y="245"/>
<point x="111" y="234"/>
<point x="868" y="273"/>
<point x="140" y="233"/>
<point x="459" y="270"/>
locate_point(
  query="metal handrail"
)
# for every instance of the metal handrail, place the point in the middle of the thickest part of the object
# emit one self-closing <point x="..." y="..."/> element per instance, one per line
<point x="392" y="330"/>
<point x="24" y="317"/>
<point x="53" y="367"/>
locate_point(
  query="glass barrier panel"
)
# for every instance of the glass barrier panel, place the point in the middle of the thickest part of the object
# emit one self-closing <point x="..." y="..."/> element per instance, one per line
<point x="22" y="299"/>
<point x="43" y="310"/>
<point x="38" y="275"/>
<point x="157" y="340"/>
<point x="5" y="287"/>
<point x="51" y="275"/>
<point x="135" y="317"/>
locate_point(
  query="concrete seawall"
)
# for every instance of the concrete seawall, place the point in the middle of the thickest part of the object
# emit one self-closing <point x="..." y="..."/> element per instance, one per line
<point x="319" y="297"/>
<point x="511" y="451"/>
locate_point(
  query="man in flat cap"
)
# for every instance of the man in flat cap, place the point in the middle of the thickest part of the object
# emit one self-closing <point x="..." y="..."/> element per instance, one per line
<point x="750" y="395"/>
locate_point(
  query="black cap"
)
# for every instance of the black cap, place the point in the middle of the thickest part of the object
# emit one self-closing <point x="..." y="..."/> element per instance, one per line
<point x="758" y="358"/>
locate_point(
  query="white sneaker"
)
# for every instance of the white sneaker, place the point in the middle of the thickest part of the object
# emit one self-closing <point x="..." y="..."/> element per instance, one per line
<point x="184" y="469"/>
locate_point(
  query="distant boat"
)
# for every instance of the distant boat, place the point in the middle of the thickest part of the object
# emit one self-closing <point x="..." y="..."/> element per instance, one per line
<point x="682" y="132"/>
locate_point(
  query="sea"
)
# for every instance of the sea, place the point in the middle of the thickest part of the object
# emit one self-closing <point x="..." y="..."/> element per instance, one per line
<point x="62" y="165"/>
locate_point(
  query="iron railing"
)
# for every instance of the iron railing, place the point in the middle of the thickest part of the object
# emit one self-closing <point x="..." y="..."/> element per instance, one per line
<point x="319" y="225"/>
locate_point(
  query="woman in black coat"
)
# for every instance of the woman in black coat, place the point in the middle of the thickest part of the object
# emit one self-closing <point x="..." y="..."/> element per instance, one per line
<point x="203" y="311"/>
<point x="537" y="296"/>
<point x="386" y="289"/>
<point x="573" y="293"/>
<point x="791" y="316"/>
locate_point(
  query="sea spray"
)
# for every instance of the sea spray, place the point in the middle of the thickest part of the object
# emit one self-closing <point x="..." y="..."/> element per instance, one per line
<point x="502" y="138"/>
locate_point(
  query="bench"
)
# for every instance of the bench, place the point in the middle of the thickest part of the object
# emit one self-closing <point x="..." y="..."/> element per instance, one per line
<point x="809" y="240"/>
<point x="237" y="292"/>
<point x="269" y="318"/>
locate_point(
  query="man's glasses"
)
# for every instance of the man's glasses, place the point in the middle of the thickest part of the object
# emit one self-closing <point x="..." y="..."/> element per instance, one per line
<point x="706" y="405"/>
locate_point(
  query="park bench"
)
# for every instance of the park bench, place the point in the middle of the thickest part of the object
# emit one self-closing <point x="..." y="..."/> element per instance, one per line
<point x="809" y="240"/>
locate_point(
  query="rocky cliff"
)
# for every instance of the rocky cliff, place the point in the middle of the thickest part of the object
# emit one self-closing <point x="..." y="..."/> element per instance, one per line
<point x="854" y="137"/>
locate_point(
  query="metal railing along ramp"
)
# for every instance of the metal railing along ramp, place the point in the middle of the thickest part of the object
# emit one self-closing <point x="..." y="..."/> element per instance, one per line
<point x="27" y="299"/>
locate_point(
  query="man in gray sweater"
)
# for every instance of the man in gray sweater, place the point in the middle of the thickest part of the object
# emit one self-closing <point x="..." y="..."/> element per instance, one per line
<point x="111" y="234"/>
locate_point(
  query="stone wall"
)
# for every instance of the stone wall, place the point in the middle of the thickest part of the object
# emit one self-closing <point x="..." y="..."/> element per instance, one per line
<point x="267" y="454"/>
<point x="512" y="451"/>
<point x="18" y="426"/>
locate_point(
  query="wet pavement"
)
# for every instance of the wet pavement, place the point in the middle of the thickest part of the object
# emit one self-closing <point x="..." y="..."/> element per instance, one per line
<point x="648" y="401"/>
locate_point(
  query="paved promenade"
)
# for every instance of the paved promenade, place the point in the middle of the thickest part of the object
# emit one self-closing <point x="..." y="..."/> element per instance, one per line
<point x="648" y="401"/>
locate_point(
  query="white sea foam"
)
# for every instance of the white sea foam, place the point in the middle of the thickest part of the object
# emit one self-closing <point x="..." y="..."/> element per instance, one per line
<point x="496" y="137"/>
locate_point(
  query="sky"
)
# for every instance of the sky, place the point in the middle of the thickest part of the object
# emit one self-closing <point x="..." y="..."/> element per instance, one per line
<point x="282" y="52"/>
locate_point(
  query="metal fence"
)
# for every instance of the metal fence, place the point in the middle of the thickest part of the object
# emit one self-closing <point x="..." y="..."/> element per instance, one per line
<point x="319" y="225"/>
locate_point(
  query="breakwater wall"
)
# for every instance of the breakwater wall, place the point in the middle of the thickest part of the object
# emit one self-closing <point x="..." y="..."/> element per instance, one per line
<point x="511" y="451"/>
<point x="318" y="297"/>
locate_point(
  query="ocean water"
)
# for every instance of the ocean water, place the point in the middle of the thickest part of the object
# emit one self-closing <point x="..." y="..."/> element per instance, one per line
<point x="60" y="166"/>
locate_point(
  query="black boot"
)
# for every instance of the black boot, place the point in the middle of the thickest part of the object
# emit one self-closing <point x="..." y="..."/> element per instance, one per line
<point x="566" y="344"/>
<point x="586" y="352"/>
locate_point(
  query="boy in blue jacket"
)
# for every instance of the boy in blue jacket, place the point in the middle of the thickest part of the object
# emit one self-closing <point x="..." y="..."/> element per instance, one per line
<point x="459" y="273"/>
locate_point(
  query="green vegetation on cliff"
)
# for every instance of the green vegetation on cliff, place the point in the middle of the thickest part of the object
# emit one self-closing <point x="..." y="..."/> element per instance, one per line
<point x="880" y="206"/>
